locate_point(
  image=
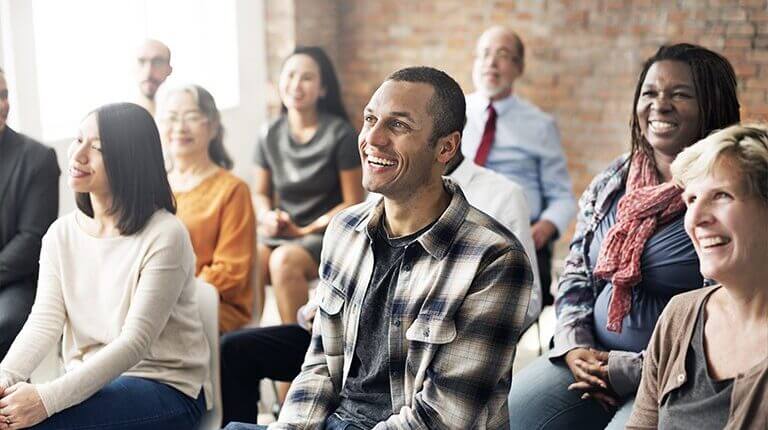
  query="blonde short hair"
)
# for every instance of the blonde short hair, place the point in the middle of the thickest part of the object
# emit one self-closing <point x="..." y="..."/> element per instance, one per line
<point x="744" y="146"/>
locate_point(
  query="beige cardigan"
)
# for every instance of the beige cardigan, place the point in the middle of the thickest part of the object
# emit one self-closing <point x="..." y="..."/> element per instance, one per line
<point x="125" y="306"/>
<point x="664" y="370"/>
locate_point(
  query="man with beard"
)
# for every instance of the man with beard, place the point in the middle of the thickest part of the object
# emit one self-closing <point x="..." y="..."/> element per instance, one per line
<point x="153" y="66"/>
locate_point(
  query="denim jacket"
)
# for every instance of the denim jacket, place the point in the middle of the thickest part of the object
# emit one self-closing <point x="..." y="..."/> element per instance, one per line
<point x="578" y="288"/>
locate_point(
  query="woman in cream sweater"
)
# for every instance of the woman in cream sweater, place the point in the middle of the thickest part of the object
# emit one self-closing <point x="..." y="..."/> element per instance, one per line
<point x="117" y="281"/>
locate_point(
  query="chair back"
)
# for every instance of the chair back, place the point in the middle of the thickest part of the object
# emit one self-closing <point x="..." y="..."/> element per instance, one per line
<point x="208" y="302"/>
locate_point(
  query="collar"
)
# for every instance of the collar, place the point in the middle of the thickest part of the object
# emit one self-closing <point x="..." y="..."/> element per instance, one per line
<point x="502" y="106"/>
<point x="464" y="172"/>
<point x="438" y="239"/>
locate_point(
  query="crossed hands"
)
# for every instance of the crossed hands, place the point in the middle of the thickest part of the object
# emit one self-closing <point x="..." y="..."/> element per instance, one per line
<point x="20" y="406"/>
<point x="590" y="369"/>
<point x="277" y="223"/>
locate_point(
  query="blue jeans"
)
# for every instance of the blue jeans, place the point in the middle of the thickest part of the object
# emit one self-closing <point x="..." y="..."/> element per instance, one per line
<point x="539" y="399"/>
<point x="333" y="422"/>
<point x="131" y="403"/>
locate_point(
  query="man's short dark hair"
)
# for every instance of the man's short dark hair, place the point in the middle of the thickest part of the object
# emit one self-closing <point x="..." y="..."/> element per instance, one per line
<point x="133" y="161"/>
<point x="447" y="105"/>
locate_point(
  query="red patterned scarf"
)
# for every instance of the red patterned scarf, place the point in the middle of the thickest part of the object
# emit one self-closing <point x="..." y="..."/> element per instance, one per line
<point x="646" y="204"/>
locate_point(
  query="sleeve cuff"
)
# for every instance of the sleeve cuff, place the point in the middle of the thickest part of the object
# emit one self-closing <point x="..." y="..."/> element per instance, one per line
<point x="571" y="337"/>
<point x="624" y="371"/>
<point x="43" y="390"/>
<point x="10" y="378"/>
<point x="560" y="221"/>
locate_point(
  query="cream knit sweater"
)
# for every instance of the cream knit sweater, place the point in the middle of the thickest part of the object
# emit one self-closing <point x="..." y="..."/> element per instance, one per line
<point x="125" y="306"/>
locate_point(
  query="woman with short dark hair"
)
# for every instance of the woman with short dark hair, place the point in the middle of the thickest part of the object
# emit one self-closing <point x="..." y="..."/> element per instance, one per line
<point x="117" y="280"/>
<point x="629" y="254"/>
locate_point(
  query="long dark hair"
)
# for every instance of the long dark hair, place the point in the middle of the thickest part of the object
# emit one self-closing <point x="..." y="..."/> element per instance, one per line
<point x="331" y="101"/>
<point x="714" y="81"/>
<point x="133" y="162"/>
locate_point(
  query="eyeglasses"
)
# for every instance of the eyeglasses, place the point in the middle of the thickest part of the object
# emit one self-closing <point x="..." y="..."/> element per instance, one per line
<point x="500" y="55"/>
<point x="153" y="62"/>
<point x="190" y="118"/>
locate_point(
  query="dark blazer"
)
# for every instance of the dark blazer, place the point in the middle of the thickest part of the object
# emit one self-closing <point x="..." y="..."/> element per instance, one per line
<point x="29" y="203"/>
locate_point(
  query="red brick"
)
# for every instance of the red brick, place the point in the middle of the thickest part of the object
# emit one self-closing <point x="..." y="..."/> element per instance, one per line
<point x="740" y="29"/>
<point x="583" y="56"/>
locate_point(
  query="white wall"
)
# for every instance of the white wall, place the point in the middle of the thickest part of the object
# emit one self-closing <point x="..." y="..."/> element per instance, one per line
<point x="17" y="49"/>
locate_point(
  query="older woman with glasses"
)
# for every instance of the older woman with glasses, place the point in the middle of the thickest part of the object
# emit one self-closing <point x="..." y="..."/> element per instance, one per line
<point x="707" y="363"/>
<point x="214" y="204"/>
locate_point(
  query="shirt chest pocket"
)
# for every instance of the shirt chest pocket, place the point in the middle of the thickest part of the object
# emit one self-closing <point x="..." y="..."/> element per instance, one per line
<point x="425" y="338"/>
<point x="331" y="320"/>
<point x="332" y="300"/>
<point x="431" y="331"/>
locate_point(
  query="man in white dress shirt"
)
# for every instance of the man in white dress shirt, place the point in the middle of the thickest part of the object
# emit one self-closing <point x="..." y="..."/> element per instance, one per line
<point x="509" y="135"/>
<point x="505" y="201"/>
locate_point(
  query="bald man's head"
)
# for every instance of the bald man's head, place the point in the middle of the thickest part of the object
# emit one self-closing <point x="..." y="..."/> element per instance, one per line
<point x="499" y="61"/>
<point x="153" y="65"/>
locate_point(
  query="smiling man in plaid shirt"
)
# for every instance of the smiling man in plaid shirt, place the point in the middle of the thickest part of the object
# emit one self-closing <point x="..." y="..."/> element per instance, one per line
<point x="422" y="297"/>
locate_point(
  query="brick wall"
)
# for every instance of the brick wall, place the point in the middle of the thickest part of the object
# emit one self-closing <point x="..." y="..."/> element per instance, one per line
<point x="582" y="56"/>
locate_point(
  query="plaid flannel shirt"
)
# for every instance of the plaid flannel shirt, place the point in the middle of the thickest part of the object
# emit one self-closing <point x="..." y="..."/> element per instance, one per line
<point x="456" y="317"/>
<point x="578" y="289"/>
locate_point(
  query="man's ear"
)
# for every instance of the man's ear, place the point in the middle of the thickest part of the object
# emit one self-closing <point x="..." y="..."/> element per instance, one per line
<point x="447" y="147"/>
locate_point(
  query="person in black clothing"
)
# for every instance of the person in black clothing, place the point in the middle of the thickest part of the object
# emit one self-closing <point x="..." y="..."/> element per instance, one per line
<point x="29" y="192"/>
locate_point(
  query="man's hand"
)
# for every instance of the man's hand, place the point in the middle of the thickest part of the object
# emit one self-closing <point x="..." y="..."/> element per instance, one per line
<point x="21" y="407"/>
<point x="542" y="231"/>
<point x="590" y="369"/>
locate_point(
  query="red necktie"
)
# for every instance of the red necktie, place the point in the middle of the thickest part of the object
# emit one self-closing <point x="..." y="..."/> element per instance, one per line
<point x="485" y="143"/>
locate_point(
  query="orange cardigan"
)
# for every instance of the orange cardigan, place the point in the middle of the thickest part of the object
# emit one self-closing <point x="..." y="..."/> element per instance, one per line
<point x="219" y="216"/>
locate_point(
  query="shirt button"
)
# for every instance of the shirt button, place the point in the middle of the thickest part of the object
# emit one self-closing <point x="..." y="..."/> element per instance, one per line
<point x="407" y="267"/>
<point x="396" y="323"/>
<point x="681" y="377"/>
<point x="426" y="332"/>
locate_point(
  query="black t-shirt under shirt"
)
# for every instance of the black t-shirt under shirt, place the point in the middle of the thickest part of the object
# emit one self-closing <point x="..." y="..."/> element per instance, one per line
<point x="366" y="397"/>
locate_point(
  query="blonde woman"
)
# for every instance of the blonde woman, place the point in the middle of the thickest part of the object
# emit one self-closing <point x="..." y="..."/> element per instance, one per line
<point x="707" y="362"/>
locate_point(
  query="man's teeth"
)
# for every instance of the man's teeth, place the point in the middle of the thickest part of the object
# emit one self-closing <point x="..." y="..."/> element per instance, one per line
<point x="380" y="161"/>
<point x="662" y="126"/>
<point x="707" y="242"/>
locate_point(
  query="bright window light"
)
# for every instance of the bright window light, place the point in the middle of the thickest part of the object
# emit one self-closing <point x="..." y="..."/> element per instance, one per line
<point x="86" y="52"/>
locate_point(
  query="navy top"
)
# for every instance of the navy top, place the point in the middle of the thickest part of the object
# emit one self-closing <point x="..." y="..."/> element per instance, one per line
<point x="668" y="266"/>
<point x="366" y="398"/>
